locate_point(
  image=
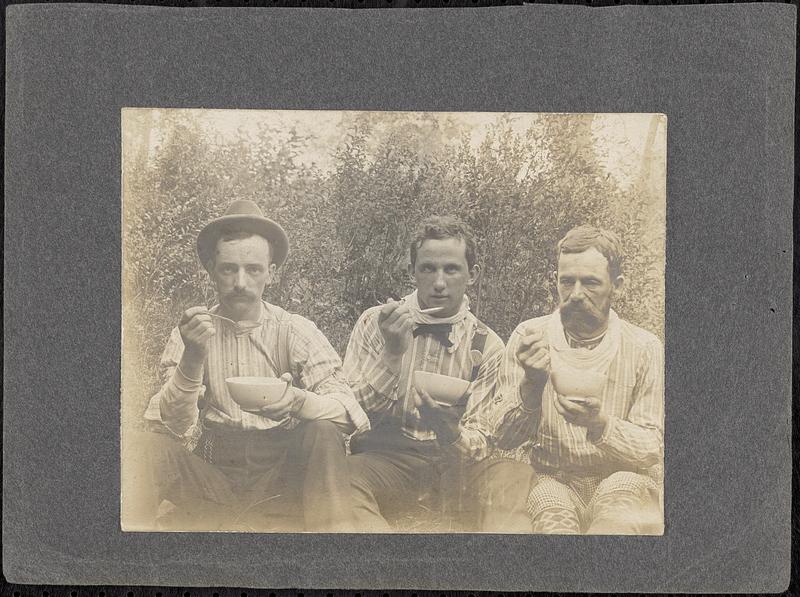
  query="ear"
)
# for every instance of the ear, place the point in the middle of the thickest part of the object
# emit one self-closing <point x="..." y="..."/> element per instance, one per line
<point x="618" y="283"/>
<point x="209" y="269"/>
<point x="474" y="274"/>
<point x="410" y="269"/>
<point x="272" y="269"/>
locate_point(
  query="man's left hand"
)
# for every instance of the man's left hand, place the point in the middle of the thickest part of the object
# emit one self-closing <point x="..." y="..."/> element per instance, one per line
<point x="586" y="413"/>
<point x="289" y="404"/>
<point x="443" y="420"/>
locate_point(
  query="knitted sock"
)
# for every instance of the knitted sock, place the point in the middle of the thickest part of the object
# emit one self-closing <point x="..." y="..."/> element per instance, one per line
<point x="556" y="521"/>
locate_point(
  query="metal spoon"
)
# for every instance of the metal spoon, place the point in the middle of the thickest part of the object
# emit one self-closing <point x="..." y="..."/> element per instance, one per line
<point x="245" y="323"/>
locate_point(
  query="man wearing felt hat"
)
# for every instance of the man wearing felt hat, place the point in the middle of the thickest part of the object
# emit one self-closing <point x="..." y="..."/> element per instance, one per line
<point x="231" y="468"/>
<point x="414" y="437"/>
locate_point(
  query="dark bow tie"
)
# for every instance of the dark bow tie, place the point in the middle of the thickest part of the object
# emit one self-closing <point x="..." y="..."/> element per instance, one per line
<point x="440" y="331"/>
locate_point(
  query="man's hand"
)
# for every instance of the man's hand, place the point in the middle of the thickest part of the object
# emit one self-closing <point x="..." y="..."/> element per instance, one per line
<point x="533" y="354"/>
<point x="395" y="323"/>
<point x="444" y="420"/>
<point x="289" y="403"/>
<point x="585" y="413"/>
<point x="196" y="329"/>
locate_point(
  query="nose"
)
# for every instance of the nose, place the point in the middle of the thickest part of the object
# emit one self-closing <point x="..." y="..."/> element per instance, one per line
<point x="239" y="281"/>
<point x="439" y="282"/>
<point x="577" y="291"/>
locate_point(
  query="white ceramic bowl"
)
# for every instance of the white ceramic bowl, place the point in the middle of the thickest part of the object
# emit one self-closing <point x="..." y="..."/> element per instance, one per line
<point x="577" y="383"/>
<point x="254" y="393"/>
<point x="442" y="388"/>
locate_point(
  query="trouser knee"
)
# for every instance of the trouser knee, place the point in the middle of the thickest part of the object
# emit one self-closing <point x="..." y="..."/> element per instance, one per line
<point x="507" y="480"/>
<point x="626" y="481"/>
<point x="626" y="503"/>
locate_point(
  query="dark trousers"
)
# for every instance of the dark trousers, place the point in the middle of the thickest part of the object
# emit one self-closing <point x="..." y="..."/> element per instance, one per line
<point x="390" y="471"/>
<point x="276" y="480"/>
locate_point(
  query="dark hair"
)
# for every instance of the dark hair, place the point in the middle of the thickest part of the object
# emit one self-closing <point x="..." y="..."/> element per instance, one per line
<point x="233" y="233"/>
<point x="583" y="238"/>
<point x="441" y="227"/>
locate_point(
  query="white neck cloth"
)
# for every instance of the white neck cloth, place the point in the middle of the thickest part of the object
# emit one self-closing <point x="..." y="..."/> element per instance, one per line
<point x="596" y="359"/>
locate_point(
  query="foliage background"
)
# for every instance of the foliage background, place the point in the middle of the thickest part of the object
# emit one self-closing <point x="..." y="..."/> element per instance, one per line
<point x="349" y="187"/>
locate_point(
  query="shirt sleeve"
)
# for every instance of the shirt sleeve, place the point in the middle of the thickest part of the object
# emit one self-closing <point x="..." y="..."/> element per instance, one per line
<point x="473" y="442"/>
<point x="177" y="398"/>
<point x="512" y="423"/>
<point x="321" y="375"/>
<point x="638" y="440"/>
<point x="373" y="383"/>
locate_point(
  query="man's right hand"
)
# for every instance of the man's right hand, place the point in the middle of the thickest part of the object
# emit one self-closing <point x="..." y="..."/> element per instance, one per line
<point x="196" y="328"/>
<point x="533" y="354"/>
<point x="395" y="323"/>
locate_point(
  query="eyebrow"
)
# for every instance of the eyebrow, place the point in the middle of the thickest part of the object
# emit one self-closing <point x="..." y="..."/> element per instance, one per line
<point x="251" y="264"/>
<point x="443" y="265"/>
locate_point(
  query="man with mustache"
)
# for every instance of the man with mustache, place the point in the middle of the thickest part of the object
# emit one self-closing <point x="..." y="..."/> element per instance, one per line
<point x="236" y="463"/>
<point x="598" y="458"/>
<point x="432" y="330"/>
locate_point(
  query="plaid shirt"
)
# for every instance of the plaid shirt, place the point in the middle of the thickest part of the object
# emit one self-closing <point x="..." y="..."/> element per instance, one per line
<point x="310" y="358"/>
<point x="389" y="398"/>
<point x="633" y="399"/>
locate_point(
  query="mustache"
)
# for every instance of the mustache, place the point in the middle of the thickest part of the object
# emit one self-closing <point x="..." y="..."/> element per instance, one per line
<point x="576" y="307"/>
<point x="237" y="294"/>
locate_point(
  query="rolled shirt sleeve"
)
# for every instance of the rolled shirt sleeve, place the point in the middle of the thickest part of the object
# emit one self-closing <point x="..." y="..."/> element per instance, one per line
<point x="638" y="440"/>
<point x="372" y="382"/>
<point x="178" y="398"/>
<point x="474" y="440"/>
<point x="512" y="423"/>
<point x="321" y="374"/>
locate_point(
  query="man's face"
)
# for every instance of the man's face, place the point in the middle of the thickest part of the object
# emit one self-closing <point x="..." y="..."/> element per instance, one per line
<point x="442" y="274"/>
<point x="585" y="290"/>
<point x="241" y="271"/>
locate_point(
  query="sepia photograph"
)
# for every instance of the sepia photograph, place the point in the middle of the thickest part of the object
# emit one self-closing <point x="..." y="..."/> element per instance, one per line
<point x="392" y="322"/>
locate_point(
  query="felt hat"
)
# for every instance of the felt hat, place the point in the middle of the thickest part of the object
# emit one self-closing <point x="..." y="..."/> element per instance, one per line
<point x="245" y="216"/>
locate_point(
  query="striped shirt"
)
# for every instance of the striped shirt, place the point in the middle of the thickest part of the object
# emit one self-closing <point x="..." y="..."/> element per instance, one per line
<point x="633" y="400"/>
<point x="388" y="398"/>
<point x="295" y="344"/>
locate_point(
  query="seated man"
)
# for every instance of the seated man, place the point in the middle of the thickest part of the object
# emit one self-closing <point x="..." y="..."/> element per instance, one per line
<point x="230" y="465"/>
<point x="598" y="458"/>
<point x="430" y="330"/>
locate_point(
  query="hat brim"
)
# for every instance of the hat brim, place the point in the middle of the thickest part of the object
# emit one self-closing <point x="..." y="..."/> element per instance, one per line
<point x="272" y="231"/>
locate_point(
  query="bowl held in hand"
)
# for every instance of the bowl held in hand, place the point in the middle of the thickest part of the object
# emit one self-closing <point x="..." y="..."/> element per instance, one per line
<point x="578" y="383"/>
<point x="443" y="389"/>
<point x="254" y="393"/>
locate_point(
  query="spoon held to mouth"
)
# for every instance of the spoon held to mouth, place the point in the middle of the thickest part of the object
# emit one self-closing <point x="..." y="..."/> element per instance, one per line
<point x="231" y="321"/>
<point x="431" y="310"/>
<point x="245" y="324"/>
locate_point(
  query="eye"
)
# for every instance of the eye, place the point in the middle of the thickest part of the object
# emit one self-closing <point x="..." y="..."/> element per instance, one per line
<point x="426" y="268"/>
<point x="228" y="269"/>
<point x="452" y="269"/>
<point x="566" y="281"/>
<point x="254" y="269"/>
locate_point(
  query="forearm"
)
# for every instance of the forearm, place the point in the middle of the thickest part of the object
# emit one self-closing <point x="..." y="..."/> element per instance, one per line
<point x="376" y="386"/>
<point x="178" y="400"/>
<point x="626" y="442"/>
<point x="319" y="408"/>
<point x="471" y="444"/>
<point x="516" y="426"/>
<point x="521" y="421"/>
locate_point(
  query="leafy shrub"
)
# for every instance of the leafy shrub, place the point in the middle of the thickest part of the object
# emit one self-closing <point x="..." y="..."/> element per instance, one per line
<point x="350" y="224"/>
